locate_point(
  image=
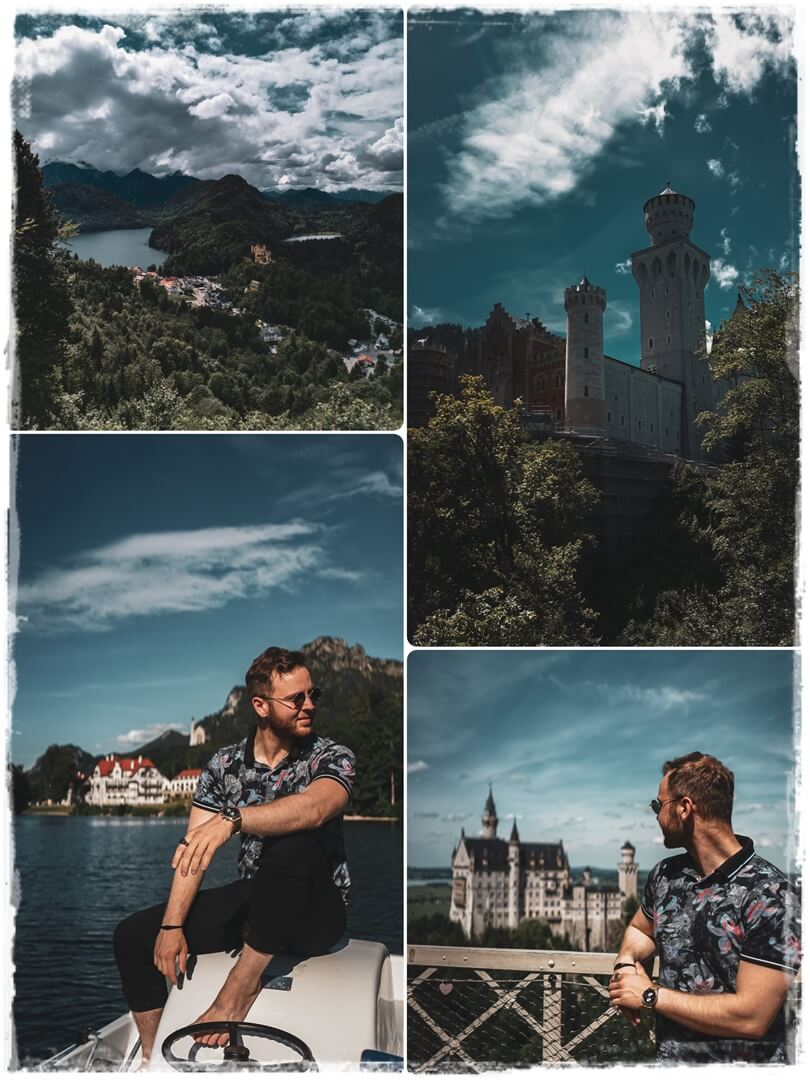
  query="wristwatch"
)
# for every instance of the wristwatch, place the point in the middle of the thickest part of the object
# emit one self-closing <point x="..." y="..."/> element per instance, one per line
<point x="649" y="997"/>
<point x="231" y="814"/>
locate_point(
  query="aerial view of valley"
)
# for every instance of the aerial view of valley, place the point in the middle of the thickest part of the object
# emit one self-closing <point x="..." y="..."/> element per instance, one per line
<point x="208" y="221"/>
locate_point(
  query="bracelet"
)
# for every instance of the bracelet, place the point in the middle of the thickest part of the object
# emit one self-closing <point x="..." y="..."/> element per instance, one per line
<point x="168" y="927"/>
<point x="617" y="966"/>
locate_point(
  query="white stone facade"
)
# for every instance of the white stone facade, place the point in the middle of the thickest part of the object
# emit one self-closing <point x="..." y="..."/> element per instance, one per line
<point x="501" y="883"/>
<point x="121" y="781"/>
<point x="185" y="783"/>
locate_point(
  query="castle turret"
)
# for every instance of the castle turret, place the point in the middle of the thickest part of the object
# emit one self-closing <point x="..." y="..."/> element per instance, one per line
<point x="585" y="407"/>
<point x="628" y="872"/>
<point x="489" y="819"/>
<point x="672" y="274"/>
<point x="513" y="859"/>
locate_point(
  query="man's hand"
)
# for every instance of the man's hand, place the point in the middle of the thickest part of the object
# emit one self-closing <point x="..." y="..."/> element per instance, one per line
<point x="625" y="989"/>
<point x="171" y="952"/>
<point x="201" y="845"/>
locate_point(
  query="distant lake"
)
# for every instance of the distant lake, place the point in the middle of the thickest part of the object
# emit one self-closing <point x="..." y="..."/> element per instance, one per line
<point x="78" y="877"/>
<point x="117" y="247"/>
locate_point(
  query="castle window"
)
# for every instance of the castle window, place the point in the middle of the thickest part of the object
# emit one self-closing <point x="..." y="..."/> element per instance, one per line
<point x="667" y="290"/>
<point x="667" y="312"/>
<point x="586" y="316"/>
<point x="608" y="417"/>
<point x="666" y="430"/>
<point x="586" y="391"/>
<point x="586" y="352"/>
<point x="639" y="425"/>
<point x="650" y="342"/>
<point x="652" y="294"/>
<point x="651" y="428"/>
<point x="669" y="339"/>
<point x="622" y="421"/>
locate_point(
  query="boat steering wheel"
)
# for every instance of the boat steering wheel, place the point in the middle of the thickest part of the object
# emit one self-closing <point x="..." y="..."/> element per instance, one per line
<point x="234" y="1052"/>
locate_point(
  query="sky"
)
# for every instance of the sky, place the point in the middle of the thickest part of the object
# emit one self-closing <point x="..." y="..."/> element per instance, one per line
<point x="534" y="141"/>
<point x="287" y="98"/>
<point x="154" y="568"/>
<point x="573" y="742"/>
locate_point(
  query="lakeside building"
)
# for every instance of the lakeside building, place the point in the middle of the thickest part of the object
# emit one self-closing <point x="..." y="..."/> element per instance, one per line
<point x="500" y="883"/>
<point x="117" y="781"/>
<point x="185" y="783"/>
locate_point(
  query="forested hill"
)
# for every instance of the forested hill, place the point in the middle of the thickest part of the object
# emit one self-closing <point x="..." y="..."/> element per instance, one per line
<point x="93" y="208"/>
<point x="212" y="225"/>
<point x="139" y="189"/>
<point x="361" y="707"/>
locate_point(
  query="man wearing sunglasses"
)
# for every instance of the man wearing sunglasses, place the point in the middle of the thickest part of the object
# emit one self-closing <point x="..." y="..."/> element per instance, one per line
<point x="724" y="923"/>
<point x="283" y="789"/>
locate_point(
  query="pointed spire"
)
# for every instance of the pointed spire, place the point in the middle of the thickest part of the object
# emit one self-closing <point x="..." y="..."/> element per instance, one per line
<point x="513" y="836"/>
<point x="489" y="805"/>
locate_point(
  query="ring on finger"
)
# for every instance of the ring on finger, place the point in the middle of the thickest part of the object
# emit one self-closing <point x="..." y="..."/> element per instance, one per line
<point x="184" y="841"/>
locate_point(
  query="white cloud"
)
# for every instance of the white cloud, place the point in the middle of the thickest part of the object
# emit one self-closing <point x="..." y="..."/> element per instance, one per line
<point x="161" y="573"/>
<point x="373" y="483"/>
<point x="535" y="133"/>
<point x="417" y="766"/>
<point x="656" y="698"/>
<point x="702" y="125"/>
<point x="323" y="114"/>
<point x="725" y="241"/>
<point x="422" y="316"/>
<point x="618" y="317"/>
<point x="139" y="736"/>
<point x="724" y="273"/>
<point x="625" y="267"/>
<point x="716" y="168"/>
<point x="744" y="45"/>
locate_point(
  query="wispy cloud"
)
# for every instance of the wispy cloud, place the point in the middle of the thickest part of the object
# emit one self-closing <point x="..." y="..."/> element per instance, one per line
<point x="161" y="573"/>
<point x="715" y="167"/>
<point x="657" y="698"/>
<point x="129" y="740"/>
<point x="624" y="267"/>
<point x="702" y="125"/>
<point x="372" y="483"/>
<point x="534" y="134"/>
<point x="422" y="316"/>
<point x="417" y="766"/>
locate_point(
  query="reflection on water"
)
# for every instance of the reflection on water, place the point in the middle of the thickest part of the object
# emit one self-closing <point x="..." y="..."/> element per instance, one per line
<point x="78" y="877"/>
<point x="117" y="247"/>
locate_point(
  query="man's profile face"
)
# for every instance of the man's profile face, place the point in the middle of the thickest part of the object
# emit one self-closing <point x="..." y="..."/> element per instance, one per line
<point x="668" y="819"/>
<point x="281" y="712"/>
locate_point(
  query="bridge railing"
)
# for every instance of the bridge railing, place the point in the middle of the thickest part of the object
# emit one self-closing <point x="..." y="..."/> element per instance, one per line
<point x="470" y="1010"/>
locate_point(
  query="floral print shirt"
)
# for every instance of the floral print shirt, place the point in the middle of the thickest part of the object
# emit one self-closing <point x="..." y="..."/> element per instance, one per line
<point x="233" y="777"/>
<point x="745" y="910"/>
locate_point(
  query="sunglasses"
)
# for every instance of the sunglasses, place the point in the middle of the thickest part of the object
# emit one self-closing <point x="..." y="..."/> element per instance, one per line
<point x="296" y="701"/>
<point x="656" y="805"/>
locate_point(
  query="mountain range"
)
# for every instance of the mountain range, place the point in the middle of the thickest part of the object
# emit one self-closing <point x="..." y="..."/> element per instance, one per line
<point x="97" y="200"/>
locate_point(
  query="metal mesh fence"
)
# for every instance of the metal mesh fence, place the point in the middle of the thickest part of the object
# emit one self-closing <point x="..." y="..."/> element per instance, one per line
<point x="470" y="1021"/>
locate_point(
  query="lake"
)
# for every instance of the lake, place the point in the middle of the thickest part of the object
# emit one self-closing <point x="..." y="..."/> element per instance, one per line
<point x="76" y="878"/>
<point x="117" y="247"/>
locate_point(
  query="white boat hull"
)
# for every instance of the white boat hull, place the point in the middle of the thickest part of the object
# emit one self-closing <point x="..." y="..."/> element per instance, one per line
<point x="341" y="1005"/>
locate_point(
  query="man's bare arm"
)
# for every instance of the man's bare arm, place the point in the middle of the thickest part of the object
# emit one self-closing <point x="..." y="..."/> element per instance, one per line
<point x="747" y="1013"/>
<point x="638" y="943"/>
<point x="171" y="949"/>
<point x="321" y="801"/>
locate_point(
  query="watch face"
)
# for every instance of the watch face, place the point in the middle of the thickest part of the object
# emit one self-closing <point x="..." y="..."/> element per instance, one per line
<point x="649" y="997"/>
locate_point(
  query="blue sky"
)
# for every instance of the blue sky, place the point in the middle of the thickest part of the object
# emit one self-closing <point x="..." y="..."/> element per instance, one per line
<point x="535" y="139"/>
<point x="286" y="98"/>
<point x="573" y="743"/>
<point x="153" y="569"/>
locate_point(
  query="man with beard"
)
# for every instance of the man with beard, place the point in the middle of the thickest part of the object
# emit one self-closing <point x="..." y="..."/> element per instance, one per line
<point x="724" y="923"/>
<point x="284" y="789"/>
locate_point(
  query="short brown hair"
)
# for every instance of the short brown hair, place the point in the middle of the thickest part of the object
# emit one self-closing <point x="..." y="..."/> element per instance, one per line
<point x="273" y="661"/>
<point x="707" y="782"/>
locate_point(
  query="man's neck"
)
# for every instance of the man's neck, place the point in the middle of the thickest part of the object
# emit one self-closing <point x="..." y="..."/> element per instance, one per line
<point x="270" y="747"/>
<point x="711" y="845"/>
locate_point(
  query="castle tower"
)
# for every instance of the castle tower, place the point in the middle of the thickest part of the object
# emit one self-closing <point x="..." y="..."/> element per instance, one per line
<point x="672" y="274"/>
<point x="628" y="872"/>
<point x="513" y="859"/>
<point x="489" y="819"/>
<point x="585" y="407"/>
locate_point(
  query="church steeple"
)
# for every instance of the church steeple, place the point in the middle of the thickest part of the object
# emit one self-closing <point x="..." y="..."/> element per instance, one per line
<point x="489" y="819"/>
<point x="513" y="836"/>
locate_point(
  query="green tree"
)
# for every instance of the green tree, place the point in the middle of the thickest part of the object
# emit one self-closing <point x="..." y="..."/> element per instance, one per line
<point x="496" y="529"/>
<point x="20" y="789"/>
<point x="41" y="302"/>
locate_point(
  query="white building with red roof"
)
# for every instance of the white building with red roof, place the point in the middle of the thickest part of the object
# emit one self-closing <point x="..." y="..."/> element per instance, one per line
<point x="117" y="781"/>
<point x="185" y="783"/>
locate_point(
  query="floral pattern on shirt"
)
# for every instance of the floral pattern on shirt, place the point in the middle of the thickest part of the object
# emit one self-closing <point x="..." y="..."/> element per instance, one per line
<point x="746" y="910"/>
<point x="232" y="778"/>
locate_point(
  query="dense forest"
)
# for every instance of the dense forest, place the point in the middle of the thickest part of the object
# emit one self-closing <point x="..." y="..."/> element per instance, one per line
<point x="96" y="350"/>
<point x="501" y="549"/>
<point x="361" y="707"/>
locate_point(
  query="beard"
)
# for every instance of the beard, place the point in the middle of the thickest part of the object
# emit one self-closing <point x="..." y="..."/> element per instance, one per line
<point x="677" y="835"/>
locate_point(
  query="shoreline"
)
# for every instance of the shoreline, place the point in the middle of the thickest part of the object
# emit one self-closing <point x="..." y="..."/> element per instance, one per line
<point x="144" y="811"/>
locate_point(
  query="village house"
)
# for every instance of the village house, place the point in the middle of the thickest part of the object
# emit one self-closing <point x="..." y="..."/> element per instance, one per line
<point x="118" y="781"/>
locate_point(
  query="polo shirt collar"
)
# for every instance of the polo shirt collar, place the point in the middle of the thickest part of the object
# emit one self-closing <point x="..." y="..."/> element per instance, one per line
<point x="250" y="757"/>
<point x="726" y="870"/>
